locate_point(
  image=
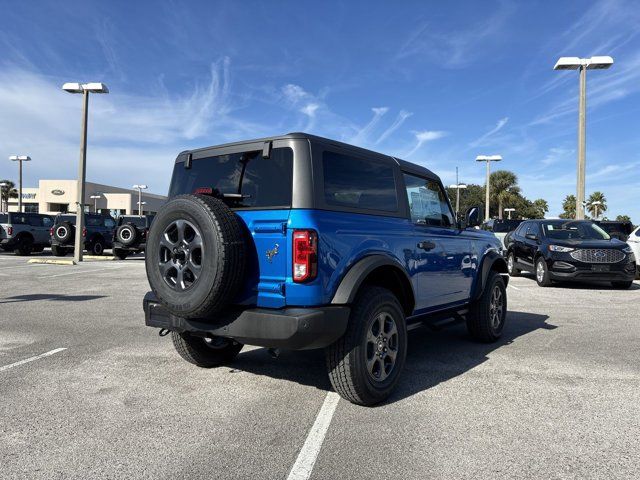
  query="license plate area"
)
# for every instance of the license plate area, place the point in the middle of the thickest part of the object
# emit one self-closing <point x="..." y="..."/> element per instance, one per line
<point x="600" y="268"/>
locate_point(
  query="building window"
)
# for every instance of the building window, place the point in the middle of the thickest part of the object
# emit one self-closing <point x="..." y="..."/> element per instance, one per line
<point x="31" y="207"/>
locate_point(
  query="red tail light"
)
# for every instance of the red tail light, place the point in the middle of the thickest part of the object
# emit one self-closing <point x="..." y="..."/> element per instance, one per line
<point x="51" y="231"/>
<point x="84" y="231"/>
<point x="305" y="255"/>
<point x="10" y="230"/>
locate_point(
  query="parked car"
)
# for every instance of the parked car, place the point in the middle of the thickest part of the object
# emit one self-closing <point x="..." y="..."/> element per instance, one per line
<point x="24" y="233"/>
<point x="560" y="250"/>
<point x="501" y="227"/>
<point x="616" y="229"/>
<point x="130" y="235"/>
<point x="300" y="242"/>
<point x="634" y="242"/>
<point x="97" y="233"/>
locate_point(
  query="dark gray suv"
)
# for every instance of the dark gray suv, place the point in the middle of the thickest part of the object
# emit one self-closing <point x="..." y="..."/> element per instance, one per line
<point x="24" y="233"/>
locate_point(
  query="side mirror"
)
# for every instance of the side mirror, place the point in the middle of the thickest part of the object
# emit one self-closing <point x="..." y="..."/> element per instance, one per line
<point x="531" y="236"/>
<point x="472" y="217"/>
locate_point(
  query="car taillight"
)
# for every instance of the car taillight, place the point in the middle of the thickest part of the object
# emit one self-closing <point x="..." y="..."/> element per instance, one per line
<point x="51" y="231"/>
<point x="10" y="230"/>
<point x="305" y="255"/>
<point x="84" y="231"/>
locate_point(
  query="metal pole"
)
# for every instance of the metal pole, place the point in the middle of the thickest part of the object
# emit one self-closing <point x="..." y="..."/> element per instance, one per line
<point x="20" y="186"/>
<point x="582" y="144"/>
<point x="486" y="208"/>
<point x="457" y="194"/>
<point x="79" y="244"/>
<point x="139" y="200"/>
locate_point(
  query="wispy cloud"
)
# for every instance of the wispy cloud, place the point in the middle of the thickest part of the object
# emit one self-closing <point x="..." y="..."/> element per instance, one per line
<point x="400" y="118"/>
<point x="423" y="137"/>
<point x="454" y="48"/>
<point x="556" y="154"/>
<point x="482" y="140"/>
<point x="363" y="134"/>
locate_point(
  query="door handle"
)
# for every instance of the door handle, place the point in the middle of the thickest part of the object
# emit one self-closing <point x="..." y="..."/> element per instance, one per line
<point x="426" y="245"/>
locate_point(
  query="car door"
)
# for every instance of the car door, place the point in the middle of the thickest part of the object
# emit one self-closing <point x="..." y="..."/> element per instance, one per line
<point x="442" y="254"/>
<point x="518" y="239"/>
<point x="531" y="241"/>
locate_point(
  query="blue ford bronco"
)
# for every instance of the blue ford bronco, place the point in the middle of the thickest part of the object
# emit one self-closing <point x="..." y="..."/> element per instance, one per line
<point x="300" y="242"/>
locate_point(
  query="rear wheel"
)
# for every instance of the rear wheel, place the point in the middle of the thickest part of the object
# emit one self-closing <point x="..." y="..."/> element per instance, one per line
<point x="58" y="251"/>
<point x="622" y="285"/>
<point x="542" y="273"/>
<point x="121" y="254"/>
<point x="24" y="246"/>
<point x="511" y="265"/>
<point x="96" y="247"/>
<point x="365" y="364"/>
<point x="205" y="352"/>
<point x="487" y="315"/>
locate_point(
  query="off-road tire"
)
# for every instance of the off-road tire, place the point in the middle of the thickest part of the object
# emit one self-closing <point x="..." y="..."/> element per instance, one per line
<point x="205" y="353"/>
<point x="70" y="232"/>
<point x="133" y="234"/>
<point x="24" y="247"/>
<point x="511" y="265"/>
<point x="96" y="247"/>
<point x="481" y="323"/>
<point x="121" y="254"/>
<point x="58" y="251"/>
<point x="542" y="279"/>
<point x="346" y="358"/>
<point x="223" y="256"/>
<point x="622" y="285"/>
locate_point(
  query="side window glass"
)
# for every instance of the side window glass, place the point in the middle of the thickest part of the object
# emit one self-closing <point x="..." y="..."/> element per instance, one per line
<point x="35" y="221"/>
<point x="109" y="223"/>
<point x="47" y="222"/>
<point x="427" y="202"/>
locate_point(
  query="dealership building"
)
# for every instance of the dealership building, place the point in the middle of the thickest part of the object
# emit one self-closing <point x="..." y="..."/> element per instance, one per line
<point x="55" y="196"/>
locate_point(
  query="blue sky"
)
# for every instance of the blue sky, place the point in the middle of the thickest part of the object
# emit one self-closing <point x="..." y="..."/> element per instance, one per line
<point x="433" y="82"/>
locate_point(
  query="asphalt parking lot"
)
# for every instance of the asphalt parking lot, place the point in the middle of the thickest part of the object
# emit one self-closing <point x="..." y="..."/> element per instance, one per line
<point x="556" y="398"/>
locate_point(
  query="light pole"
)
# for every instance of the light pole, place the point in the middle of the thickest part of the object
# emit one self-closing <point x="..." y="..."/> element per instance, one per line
<point x="140" y="188"/>
<point x="95" y="202"/>
<point x="596" y="204"/>
<point x="19" y="159"/>
<point x="509" y="210"/>
<point x="84" y="89"/>
<point x="2" y="187"/>
<point x="488" y="159"/>
<point x="582" y="64"/>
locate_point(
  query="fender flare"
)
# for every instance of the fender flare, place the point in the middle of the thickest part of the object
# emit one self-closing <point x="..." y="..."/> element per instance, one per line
<point x="351" y="282"/>
<point x="491" y="261"/>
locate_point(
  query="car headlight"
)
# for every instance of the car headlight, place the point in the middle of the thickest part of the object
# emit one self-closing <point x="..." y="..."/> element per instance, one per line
<point x="561" y="249"/>
<point x="627" y="250"/>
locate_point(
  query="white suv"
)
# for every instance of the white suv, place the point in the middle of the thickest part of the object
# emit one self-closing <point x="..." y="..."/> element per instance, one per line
<point x="634" y="243"/>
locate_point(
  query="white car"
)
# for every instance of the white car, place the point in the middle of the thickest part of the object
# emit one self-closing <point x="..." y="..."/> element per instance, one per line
<point x="634" y="243"/>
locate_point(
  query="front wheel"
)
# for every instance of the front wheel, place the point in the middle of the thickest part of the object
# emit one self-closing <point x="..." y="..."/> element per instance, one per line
<point x="97" y="247"/>
<point x="487" y="315"/>
<point x="205" y="352"/>
<point x="24" y="247"/>
<point x="365" y="364"/>
<point x="622" y="285"/>
<point x="511" y="265"/>
<point x="542" y="273"/>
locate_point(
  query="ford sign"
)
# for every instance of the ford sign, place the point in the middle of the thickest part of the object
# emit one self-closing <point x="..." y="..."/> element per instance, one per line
<point x="57" y="192"/>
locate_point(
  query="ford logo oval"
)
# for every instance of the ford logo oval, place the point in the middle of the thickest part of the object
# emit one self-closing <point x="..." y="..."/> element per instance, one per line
<point x="57" y="192"/>
<point x="600" y="254"/>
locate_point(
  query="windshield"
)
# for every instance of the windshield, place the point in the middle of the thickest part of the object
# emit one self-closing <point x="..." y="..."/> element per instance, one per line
<point x="573" y="230"/>
<point x="242" y="180"/>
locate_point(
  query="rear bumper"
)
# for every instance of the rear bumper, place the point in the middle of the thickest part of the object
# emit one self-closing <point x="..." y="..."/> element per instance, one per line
<point x="140" y="247"/>
<point x="289" y="328"/>
<point x="8" y="243"/>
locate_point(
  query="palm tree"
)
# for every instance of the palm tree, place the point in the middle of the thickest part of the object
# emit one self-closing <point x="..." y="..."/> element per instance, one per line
<point x="6" y="192"/>
<point x="599" y="208"/>
<point x="569" y="207"/>
<point x="504" y="188"/>
<point x="541" y="207"/>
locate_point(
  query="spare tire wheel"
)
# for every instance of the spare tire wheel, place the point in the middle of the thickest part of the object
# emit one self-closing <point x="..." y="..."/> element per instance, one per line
<point x="126" y="234"/>
<point x="195" y="256"/>
<point x="63" y="232"/>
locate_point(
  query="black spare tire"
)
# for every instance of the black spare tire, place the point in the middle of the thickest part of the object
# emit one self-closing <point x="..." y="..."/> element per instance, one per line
<point x="195" y="256"/>
<point x="64" y="232"/>
<point x="127" y="234"/>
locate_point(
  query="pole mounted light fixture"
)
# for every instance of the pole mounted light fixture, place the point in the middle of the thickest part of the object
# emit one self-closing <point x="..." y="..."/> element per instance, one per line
<point x="19" y="159"/>
<point x="509" y="210"/>
<point x="488" y="159"/>
<point x="85" y="89"/>
<point x="140" y="203"/>
<point x="582" y="64"/>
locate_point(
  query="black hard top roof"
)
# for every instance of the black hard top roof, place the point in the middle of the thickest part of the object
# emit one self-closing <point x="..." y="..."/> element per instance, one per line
<point x="404" y="165"/>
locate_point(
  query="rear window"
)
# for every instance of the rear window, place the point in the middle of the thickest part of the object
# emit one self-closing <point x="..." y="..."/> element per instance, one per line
<point x="140" y="222"/>
<point x="65" y="218"/>
<point x="4" y="218"/>
<point x="358" y="183"/>
<point x="243" y="180"/>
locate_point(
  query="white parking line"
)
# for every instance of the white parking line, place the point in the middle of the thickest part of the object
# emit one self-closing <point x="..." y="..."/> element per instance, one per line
<point x="31" y="359"/>
<point x="303" y="467"/>
<point x="513" y="286"/>
<point x="75" y="272"/>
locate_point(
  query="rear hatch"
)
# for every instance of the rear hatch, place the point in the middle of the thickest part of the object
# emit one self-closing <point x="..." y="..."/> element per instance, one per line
<point x="259" y="190"/>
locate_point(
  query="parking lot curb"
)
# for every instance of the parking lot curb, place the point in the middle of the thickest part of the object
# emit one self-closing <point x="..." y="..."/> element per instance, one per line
<point x="52" y="261"/>
<point x="99" y="258"/>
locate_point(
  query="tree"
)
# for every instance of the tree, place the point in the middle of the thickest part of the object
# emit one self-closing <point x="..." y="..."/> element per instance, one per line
<point x="600" y="208"/>
<point x="472" y="196"/>
<point x="623" y="218"/>
<point x="569" y="207"/>
<point x="7" y="192"/>
<point x="539" y="208"/>
<point x="504" y="188"/>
